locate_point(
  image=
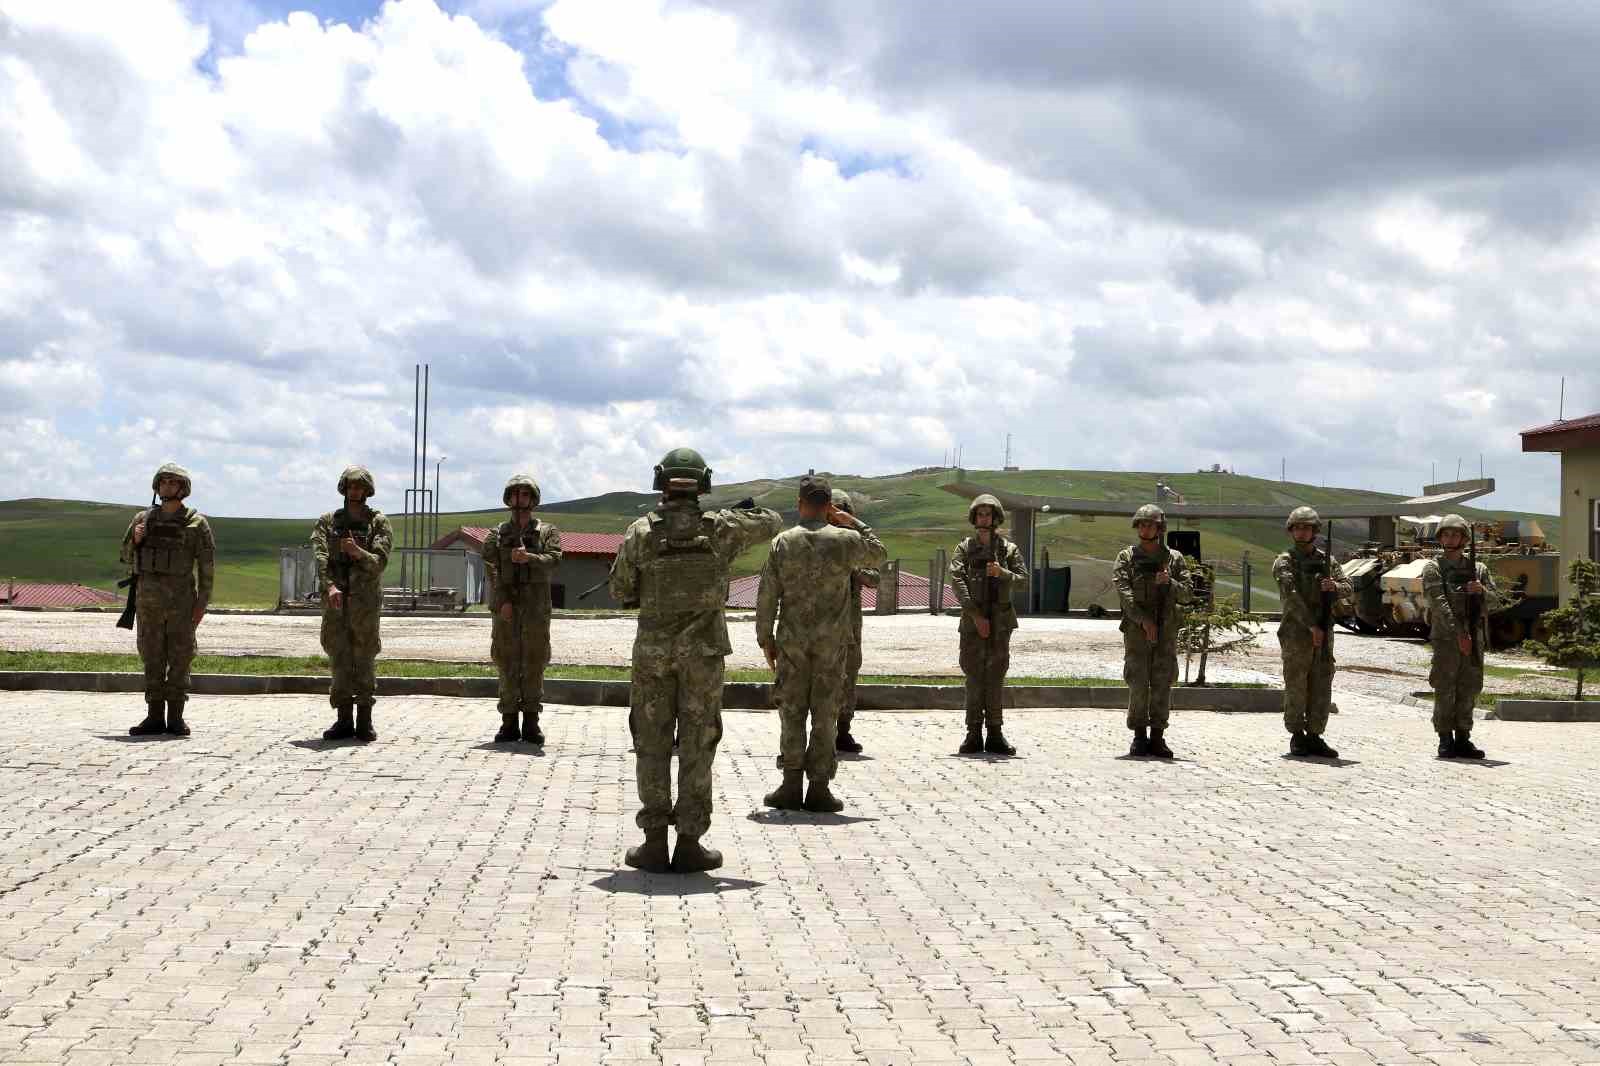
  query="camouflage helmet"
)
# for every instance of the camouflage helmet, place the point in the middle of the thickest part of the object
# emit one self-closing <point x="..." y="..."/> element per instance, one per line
<point x="986" y="500"/>
<point x="1455" y="522"/>
<point x="361" y="476"/>
<point x="1150" y="513"/>
<point x="1303" y="516"/>
<point x="520" y="481"/>
<point x="841" y="500"/>
<point x="682" y="463"/>
<point x="173" y="470"/>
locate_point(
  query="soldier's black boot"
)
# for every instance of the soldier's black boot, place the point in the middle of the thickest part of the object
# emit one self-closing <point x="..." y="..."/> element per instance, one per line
<point x="652" y="854"/>
<point x="996" y="744"/>
<point x="364" y="731"/>
<point x="1141" y="743"/>
<point x="1297" y="744"/>
<point x="155" y="720"/>
<point x="1158" y="744"/>
<point x="344" y="725"/>
<point x="1465" y="748"/>
<point x="1318" y="748"/>
<point x="787" y="796"/>
<point x="846" y="742"/>
<point x="509" y="731"/>
<point x="974" y="742"/>
<point x="1447" y="745"/>
<point x="530" y="727"/>
<point x="689" y="857"/>
<point x="175" y="723"/>
<point x="821" y="800"/>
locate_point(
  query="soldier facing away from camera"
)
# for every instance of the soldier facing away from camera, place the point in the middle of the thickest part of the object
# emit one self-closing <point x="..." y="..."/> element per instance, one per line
<point x="1306" y="575"/>
<point x="352" y="546"/>
<point x="985" y="569"/>
<point x="519" y="556"/>
<point x="1151" y="580"/>
<point x="866" y="577"/>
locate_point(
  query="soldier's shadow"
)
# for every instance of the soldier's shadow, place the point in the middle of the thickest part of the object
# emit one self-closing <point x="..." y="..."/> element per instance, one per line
<point x="1487" y="764"/>
<point x="517" y="748"/>
<point x="1175" y="760"/>
<point x="850" y="756"/>
<point x="1313" y="760"/>
<point x="638" y="883"/>
<point x="153" y="738"/>
<point x="318" y="744"/>
<point x="984" y="756"/>
<point x="781" y="817"/>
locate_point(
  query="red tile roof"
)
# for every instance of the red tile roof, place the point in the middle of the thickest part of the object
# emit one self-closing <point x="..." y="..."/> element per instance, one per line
<point x="603" y="544"/>
<point x="29" y="594"/>
<point x="1563" y="436"/>
<point x="914" y="592"/>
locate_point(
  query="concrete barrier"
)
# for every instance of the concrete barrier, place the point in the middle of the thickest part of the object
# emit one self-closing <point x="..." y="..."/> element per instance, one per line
<point x="1546" y="711"/>
<point x="739" y="695"/>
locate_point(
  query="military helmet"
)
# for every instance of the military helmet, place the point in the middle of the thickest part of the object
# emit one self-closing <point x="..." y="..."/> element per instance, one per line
<point x="1456" y="522"/>
<point x="173" y="470"/>
<point x="520" y="481"/>
<point x="682" y="463"/>
<point x="361" y="476"/>
<point x="841" y="500"/>
<point x="986" y="500"/>
<point x="1303" y="516"/>
<point x="1150" y="513"/>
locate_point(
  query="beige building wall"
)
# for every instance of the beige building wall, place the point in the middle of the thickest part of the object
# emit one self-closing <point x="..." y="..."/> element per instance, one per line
<point x="1580" y="488"/>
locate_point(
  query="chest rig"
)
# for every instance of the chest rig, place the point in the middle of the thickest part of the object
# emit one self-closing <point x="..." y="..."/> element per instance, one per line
<point x="165" y="549"/>
<point x="1456" y="573"/>
<point x="512" y="538"/>
<point x="340" y="565"/>
<point x="1145" y="568"/>
<point x="682" y="572"/>
<point x="1309" y="570"/>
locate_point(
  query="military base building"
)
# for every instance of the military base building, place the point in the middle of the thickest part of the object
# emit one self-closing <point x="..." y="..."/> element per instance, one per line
<point x="585" y="562"/>
<point x="1577" y="440"/>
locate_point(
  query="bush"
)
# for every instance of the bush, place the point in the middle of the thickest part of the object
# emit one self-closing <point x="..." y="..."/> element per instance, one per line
<point x="1573" y="640"/>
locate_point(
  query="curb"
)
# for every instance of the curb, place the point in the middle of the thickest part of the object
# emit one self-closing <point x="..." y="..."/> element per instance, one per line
<point x="737" y="695"/>
<point x="1546" y="711"/>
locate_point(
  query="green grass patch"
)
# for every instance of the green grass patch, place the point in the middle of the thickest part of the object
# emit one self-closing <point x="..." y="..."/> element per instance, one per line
<point x="1517" y="672"/>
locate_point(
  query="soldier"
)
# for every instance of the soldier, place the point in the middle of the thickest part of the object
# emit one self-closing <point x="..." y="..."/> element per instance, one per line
<point x="352" y="547"/>
<point x="172" y="554"/>
<point x="985" y="569"/>
<point x="1305" y="574"/>
<point x="518" y="559"/>
<point x="864" y="577"/>
<point x="1457" y="674"/>
<point x="1151" y="581"/>
<point x="674" y="565"/>
<point x="808" y="576"/>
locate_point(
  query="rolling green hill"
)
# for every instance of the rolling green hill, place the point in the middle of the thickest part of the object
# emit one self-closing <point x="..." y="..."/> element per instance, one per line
<point x="60" y="540"/>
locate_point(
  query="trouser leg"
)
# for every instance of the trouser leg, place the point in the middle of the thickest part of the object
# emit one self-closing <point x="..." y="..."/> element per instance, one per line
<point x="699" y="728"/>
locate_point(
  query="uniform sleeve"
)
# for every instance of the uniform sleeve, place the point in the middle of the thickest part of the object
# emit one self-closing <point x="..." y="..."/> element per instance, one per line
<point x="545" y="559"/>
<point x="958" y="576"/>
<point x="869" y="550"/>
<point x="624" y="582"/>
<point x="768" y="598"/>
<point x="1493" y="598"/>
<point x="1014" y="569"/>
<point x="1122" y="578"/>
<point x="1344" y="589"/>
<point x="205" y="558"/>
<point x="1182" y="578"/>
<point x="491" y="568"/>
<point x="1295" y="609"/>
<point x="738" y="531"/>
<point x="376" y="555"/>
<point x="869" y="577"/>
<point x="126" y="554"/>
<point x="321" y="535"/>
<point x="1438" y="598"/>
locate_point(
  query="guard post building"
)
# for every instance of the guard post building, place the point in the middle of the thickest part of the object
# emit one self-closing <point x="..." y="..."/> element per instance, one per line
<point x="1578" y="442"/>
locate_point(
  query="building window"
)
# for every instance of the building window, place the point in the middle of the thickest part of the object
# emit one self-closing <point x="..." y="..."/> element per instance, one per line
<point x="1594" y="530"/>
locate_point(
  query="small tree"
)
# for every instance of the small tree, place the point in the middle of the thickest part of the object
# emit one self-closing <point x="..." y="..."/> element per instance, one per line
<point x="1574" y="630"/>
<point x="1212" y="627"/>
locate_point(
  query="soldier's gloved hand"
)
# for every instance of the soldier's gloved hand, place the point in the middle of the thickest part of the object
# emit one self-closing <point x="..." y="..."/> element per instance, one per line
<point x="505" y="611"/>
<point x="746" y="504"/>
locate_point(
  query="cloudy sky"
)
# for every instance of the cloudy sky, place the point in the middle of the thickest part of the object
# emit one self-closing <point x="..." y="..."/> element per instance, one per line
<point x="1360" y="238"/>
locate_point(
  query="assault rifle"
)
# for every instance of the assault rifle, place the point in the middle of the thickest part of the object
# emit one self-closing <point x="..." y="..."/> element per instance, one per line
<point x="1474" y="601"/>
<point x="340" y="564"/>
<point x="1326" y="618"/>
<point x="131" y="582"/>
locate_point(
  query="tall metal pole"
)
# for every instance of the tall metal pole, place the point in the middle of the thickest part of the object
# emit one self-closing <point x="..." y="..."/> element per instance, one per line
<point x="411" y="496"/>
<point x="427" y="575"/>
<point x="437" y="496"/>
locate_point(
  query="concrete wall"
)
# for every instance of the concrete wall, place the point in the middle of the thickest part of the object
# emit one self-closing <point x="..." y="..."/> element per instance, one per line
<point x="1580" y="488"/>
<point x="577" y="573"/>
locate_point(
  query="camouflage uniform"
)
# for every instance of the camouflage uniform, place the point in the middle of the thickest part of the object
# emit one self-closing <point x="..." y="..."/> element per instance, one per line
<point x="1456" y="679"/>
<point x="1307" y="671"/>
<point x="674" y="565"/>
<point x="809" y="577"/>
<point x="521" y="647"/>
<point x="1150" y="669"/>
<point x="864" y="577"/>
<point x="985" y="662"/>
<point x="175" y="565"/>
<point x="350" y="631"/>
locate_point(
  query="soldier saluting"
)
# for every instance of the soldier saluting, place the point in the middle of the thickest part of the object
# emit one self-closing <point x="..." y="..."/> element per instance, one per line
<point x="1151" y="579"/>
<point x="1450" y="582"/>
<point x="1306" y="575"/>
<point x="985" y="569"/>
<point x="864" y="577"/>
<point x="172" y="554"/>
<point x="674" y="564"/>
<point x="518" y="559"/>
<point x="352" y="546"/>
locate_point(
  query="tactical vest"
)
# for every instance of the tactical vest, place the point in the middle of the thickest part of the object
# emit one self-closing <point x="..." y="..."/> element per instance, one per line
<point x="1309" y="570"/>
<point x="340" y="565"/>
<point x="165" y="550"/>
<point x="511" y="538"/>
<point x="682" y="571"/>
<point x="1455" y="575"/>
<point x="979" y="583"/>
<point x="1146" y="566"/>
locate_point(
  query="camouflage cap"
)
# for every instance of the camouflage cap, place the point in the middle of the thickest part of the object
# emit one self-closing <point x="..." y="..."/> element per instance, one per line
<point x="986" y="500"/>
<point x="1455" y="522"/>
<point x="682" y="463"/>
<point x="173" y="470"/>
<point x="1150" y="513"/>
<point x="814" y="488"/>
<point x="1303" y="516"/>
<point x="841" y="500"/>
<point x="361" y="476"/>
<point x="520" y="481"/>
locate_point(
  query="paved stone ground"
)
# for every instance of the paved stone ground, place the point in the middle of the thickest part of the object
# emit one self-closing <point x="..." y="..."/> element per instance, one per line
<point x="254" y="896"/>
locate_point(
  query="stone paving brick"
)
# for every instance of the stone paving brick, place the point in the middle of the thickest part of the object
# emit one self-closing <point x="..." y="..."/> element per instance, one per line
<point x="253" y="895"/>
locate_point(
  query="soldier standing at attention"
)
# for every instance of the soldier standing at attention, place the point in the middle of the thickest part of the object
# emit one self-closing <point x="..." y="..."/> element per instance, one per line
<point x="808" y="578"/>
<point x="1458" y="647"/>
<point x="1305" y="574"/>
<point x="518" y="559"/>
<point x="674" y="564"/>
<point x="172" y="554"/>
<point x="985" y="569"/>
<point x="864" y="577"/>
<point x="352" y="547"/>
<point x="1151" y="579"/>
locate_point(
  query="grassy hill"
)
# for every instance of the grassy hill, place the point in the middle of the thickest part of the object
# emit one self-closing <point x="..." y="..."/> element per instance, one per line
<point x="61" y="540"/>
